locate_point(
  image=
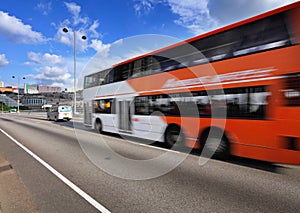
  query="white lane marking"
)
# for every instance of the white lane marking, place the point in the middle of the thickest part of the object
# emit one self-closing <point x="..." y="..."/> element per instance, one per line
<point x="79" y="191"/>
<point x="154" y="147"/>
<point x="134" y="143"/>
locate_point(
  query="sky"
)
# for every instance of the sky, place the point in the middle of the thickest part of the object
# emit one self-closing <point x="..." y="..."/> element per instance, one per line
<point x="33" y="44"/>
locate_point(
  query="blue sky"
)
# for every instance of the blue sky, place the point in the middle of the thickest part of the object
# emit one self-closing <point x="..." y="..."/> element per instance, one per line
<point x="33" y="45"/>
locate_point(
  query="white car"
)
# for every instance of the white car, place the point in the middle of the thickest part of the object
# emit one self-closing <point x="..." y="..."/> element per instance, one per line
<point x="60" y="113"/>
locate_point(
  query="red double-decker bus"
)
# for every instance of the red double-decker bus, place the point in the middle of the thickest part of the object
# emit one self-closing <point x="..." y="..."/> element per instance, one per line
<point x="241" y="83"/>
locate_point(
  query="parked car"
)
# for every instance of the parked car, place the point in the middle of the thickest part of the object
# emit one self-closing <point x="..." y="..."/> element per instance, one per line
<point x="60" y="113"/>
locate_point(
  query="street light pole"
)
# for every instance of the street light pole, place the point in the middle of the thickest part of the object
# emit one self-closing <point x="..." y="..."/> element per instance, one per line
<point x="74" y="47"/>
<point x="75" y="108"/>
<point x="18" y="92"/>
<point x="2" y="100"/>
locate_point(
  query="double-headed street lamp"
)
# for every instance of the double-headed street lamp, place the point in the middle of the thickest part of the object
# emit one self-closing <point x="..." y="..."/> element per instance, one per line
<point x="2" y="99"/>
<point x="74" y="45"/>
<point x="18" y="91"/>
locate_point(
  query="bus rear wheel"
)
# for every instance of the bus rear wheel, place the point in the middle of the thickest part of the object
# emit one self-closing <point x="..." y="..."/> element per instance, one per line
<point x="215" y="144"/>
<point x="173" y="136"/>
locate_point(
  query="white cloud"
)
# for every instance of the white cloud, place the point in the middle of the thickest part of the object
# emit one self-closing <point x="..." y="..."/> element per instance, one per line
<point x="81" y="41"/>
<point x="101" y="48"/>
<point x="61" y="85"/>
<point x="75" y="9"/>
<point x="193" y="14"/>
<point x="68" y="38"/>
<point x="44" y="8"/>
<point x="28" y="63"/>
<point x="232" y="11"/>
<point x="54" y="75"/>
<point x="35" y="57"/>
<point x="81" y="24"/>
<point x="143" y="6"/>
<point x="53" y="59"/>
<point x="92" y="29"/>
<point x="65" y="38"/>
<point x="3" y="60"/>
<point x="46" y="58"/>
<point x="16" y="31"/>
<point x="51" y="69"/>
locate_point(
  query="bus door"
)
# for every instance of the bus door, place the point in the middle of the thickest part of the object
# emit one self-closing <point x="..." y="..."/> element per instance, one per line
<point x="124" y="116"/>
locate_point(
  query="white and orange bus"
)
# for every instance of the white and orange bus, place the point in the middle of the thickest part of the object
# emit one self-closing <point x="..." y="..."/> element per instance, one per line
<point x="254" y="87"/>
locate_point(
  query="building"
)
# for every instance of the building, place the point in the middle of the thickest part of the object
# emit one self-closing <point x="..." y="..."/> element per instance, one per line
<point x="49" y="89"/>
<point x="31" y="89"/>
<point x="34" y="96"/>
<point x="37" y="89"/>
<point x="7" y="101"/>
<point x="33" y="102"/>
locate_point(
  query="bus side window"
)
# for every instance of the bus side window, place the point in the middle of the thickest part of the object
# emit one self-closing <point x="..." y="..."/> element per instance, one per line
<point x="111" y="76"/>
<point x="104" y="106"/>
<point x="291" y="90"/>
<point x="137" y="66"/>
<point x="247" y="102"/>
<point x="121" y="72"/>
<point x="141" y="105"/>
<point x="258" y="102"/>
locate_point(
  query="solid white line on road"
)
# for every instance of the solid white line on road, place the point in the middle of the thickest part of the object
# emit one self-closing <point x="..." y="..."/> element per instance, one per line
<point x="79" y="191"/>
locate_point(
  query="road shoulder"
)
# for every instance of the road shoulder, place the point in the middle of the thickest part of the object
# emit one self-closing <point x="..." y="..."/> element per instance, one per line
<point x="14" y="197"/>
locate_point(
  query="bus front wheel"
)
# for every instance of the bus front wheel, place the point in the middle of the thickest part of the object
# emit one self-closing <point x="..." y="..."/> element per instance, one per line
<point x="98" y="126"/>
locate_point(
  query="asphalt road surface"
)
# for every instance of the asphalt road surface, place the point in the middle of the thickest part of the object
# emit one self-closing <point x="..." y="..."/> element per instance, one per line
<point x="66" y="167"/>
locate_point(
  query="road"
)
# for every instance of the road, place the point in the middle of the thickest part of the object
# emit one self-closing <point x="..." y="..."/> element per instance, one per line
<point x="67" y="169"/>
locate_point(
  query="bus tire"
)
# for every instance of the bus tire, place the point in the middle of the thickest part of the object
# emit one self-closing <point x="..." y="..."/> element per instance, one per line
<point x="216" y="138"/>
<point x="173" y="136"/>
<point x="55" y="119"/>
<point x="98" y="125"/>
